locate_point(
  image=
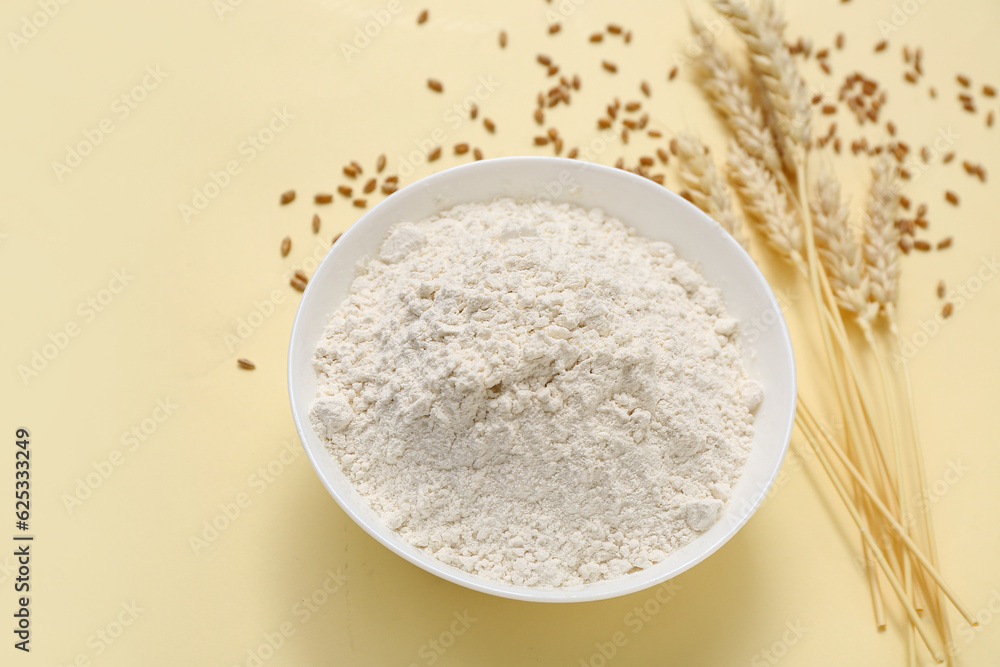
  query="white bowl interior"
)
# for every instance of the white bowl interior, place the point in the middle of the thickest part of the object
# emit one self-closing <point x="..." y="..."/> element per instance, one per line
<point x="655" y="212"/>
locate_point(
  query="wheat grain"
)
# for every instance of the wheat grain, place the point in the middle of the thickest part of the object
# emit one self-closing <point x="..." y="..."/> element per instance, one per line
<point x="765" y="204"/>
<point x="732" y="99"/>
<point x="708" y="190"/>
<point x="881" y="236"/>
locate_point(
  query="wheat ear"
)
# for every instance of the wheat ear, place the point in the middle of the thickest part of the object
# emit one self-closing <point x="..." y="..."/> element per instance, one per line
<point x="765" y="204"/>
<point x="731" y="98"/>
<point x="881" y="237"/>
<point x="705" y="185"/>
<point x="784" y="89"/>
<point x="840" y="251"/>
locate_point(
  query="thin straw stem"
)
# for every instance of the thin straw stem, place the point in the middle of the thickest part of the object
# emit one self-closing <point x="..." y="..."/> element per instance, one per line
<point x="886" y="569"/>
<point x="918" y="453"/>
<point x="890" y="519"/>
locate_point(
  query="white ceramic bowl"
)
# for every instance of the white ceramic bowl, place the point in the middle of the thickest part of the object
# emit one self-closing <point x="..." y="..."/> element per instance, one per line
<point x="656" y="213"/>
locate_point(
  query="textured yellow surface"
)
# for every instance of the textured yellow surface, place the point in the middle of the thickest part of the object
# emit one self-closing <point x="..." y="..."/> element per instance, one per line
<point x="145" y="432"/>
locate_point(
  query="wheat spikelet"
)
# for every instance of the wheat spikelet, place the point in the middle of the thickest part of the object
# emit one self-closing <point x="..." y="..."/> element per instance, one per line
<point x="732" y="100"/>
<point x="765" y="204"/>
<point x="784" y="89"/>
<point x="840" y="252"/>
<point x="703" y="182"/>
<point x="881" y="237"/>
<point x="773" y="18"/>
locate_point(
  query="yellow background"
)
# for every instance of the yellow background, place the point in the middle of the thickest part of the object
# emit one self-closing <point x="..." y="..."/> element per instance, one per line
<point x="172" y="333"/>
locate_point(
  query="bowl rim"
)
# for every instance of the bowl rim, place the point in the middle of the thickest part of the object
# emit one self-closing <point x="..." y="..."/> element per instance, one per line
<point x="525" y="593"/>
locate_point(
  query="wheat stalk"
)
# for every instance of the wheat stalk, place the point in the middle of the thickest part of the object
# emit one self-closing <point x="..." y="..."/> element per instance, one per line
<point x="882" y="263"/>
<point x="775" y="196"/>
<point x="784" y="89"/>
<point x="881" y="237"/>
<point x="845" y="263"/>
<point x="732" y="100"/>
<point x="812" y="432"/>
<point x="705" y="185"/>
<point x="765" y="204"/>
<point x="840" y="252"/>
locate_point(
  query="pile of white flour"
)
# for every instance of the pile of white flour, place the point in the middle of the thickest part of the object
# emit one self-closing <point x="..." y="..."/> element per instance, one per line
<point x="534" y="393"/>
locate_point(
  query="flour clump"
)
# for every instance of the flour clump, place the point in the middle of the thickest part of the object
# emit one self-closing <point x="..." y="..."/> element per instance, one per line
<point x="534" y="393"/>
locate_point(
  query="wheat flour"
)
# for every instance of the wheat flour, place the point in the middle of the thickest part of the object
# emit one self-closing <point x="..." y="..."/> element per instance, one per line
<point x="532" y="392"/>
